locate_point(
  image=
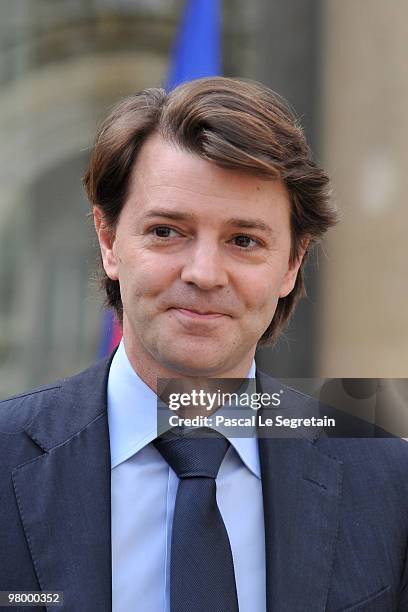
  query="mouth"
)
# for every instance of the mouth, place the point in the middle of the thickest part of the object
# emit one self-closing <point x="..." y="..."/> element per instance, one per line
<point x="198" y="314"/>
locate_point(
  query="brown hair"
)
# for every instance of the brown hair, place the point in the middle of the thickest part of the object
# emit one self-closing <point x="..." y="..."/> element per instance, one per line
<point x="235" y="124"/>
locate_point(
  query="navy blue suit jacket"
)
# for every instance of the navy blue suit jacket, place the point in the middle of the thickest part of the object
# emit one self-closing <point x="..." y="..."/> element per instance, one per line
<point x="336" y="510"/>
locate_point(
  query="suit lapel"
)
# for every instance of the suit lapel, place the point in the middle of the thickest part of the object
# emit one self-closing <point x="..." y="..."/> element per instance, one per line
<point x="63" y="495"/>
<point x="301" y="492"/>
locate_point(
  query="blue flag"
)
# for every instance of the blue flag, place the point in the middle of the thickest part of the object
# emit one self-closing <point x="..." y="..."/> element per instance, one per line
<point x="197" y="52"/>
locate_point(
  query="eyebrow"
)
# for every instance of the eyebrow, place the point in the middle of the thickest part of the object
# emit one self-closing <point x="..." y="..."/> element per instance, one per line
<point x="169" y="214"/>
<point x="248" y="223"/>
<point x="251" y="224"/>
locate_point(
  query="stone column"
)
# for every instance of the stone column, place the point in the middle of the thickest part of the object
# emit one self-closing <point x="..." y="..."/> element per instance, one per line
<point x="364" y="319"/>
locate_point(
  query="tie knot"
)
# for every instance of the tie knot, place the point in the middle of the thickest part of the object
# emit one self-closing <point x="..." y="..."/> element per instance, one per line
<point x="191" y="456"/>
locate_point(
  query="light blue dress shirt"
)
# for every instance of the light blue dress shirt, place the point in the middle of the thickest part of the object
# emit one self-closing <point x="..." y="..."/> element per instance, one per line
<point x="144" y="490"/>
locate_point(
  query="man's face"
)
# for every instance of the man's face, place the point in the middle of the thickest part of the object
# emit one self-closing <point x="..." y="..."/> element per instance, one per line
<point x="202" y="257"/>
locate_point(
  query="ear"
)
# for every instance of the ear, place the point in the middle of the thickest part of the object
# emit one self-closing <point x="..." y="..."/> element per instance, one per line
<point x="289" y="279"/>
<point x="106" y="238"/>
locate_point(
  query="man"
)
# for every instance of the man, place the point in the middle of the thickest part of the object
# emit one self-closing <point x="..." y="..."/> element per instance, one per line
<point x="206" y="202"/>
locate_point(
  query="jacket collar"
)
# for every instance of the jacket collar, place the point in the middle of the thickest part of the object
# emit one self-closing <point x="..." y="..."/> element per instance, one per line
<point x="73" y="406"/>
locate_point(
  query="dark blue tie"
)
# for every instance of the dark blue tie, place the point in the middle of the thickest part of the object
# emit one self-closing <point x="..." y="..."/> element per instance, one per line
<point x="201" y="568"/>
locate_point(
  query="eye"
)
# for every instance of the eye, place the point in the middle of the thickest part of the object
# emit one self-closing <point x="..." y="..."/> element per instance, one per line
<point x="245" y="242"/>
<point x="163" y="231"/>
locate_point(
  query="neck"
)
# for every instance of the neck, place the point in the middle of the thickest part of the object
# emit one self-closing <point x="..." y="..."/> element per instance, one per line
<point x="151" y="370"/>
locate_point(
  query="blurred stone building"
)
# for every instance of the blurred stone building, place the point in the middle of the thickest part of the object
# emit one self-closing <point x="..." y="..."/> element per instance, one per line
<point x="364" y="306"/>
<point x="342" y="65"/>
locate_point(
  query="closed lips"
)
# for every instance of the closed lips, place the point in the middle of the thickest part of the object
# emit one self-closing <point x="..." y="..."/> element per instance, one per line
<point x="199" y="313"/>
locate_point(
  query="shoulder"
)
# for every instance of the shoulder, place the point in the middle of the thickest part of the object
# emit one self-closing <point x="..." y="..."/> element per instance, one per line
<point x="18" y="411"/>
<point x="354" y="442"/>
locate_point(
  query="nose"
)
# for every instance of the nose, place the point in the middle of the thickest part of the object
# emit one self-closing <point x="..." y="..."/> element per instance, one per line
<point x="205" y="267"/>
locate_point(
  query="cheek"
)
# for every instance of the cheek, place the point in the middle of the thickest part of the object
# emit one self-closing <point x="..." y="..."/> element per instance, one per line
<point x="144" y="275"/>
<point x="263" y="308"/>
<point x="260" y="293"/>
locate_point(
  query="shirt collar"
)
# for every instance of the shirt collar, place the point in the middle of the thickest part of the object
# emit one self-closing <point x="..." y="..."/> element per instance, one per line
<point x="132" y="415"/>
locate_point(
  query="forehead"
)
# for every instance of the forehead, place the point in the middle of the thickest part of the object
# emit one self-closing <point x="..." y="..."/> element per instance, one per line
<point x="168" y="175"/>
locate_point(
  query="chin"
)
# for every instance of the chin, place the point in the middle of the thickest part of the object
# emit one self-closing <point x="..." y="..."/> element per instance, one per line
<point x="197" y="361"/>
